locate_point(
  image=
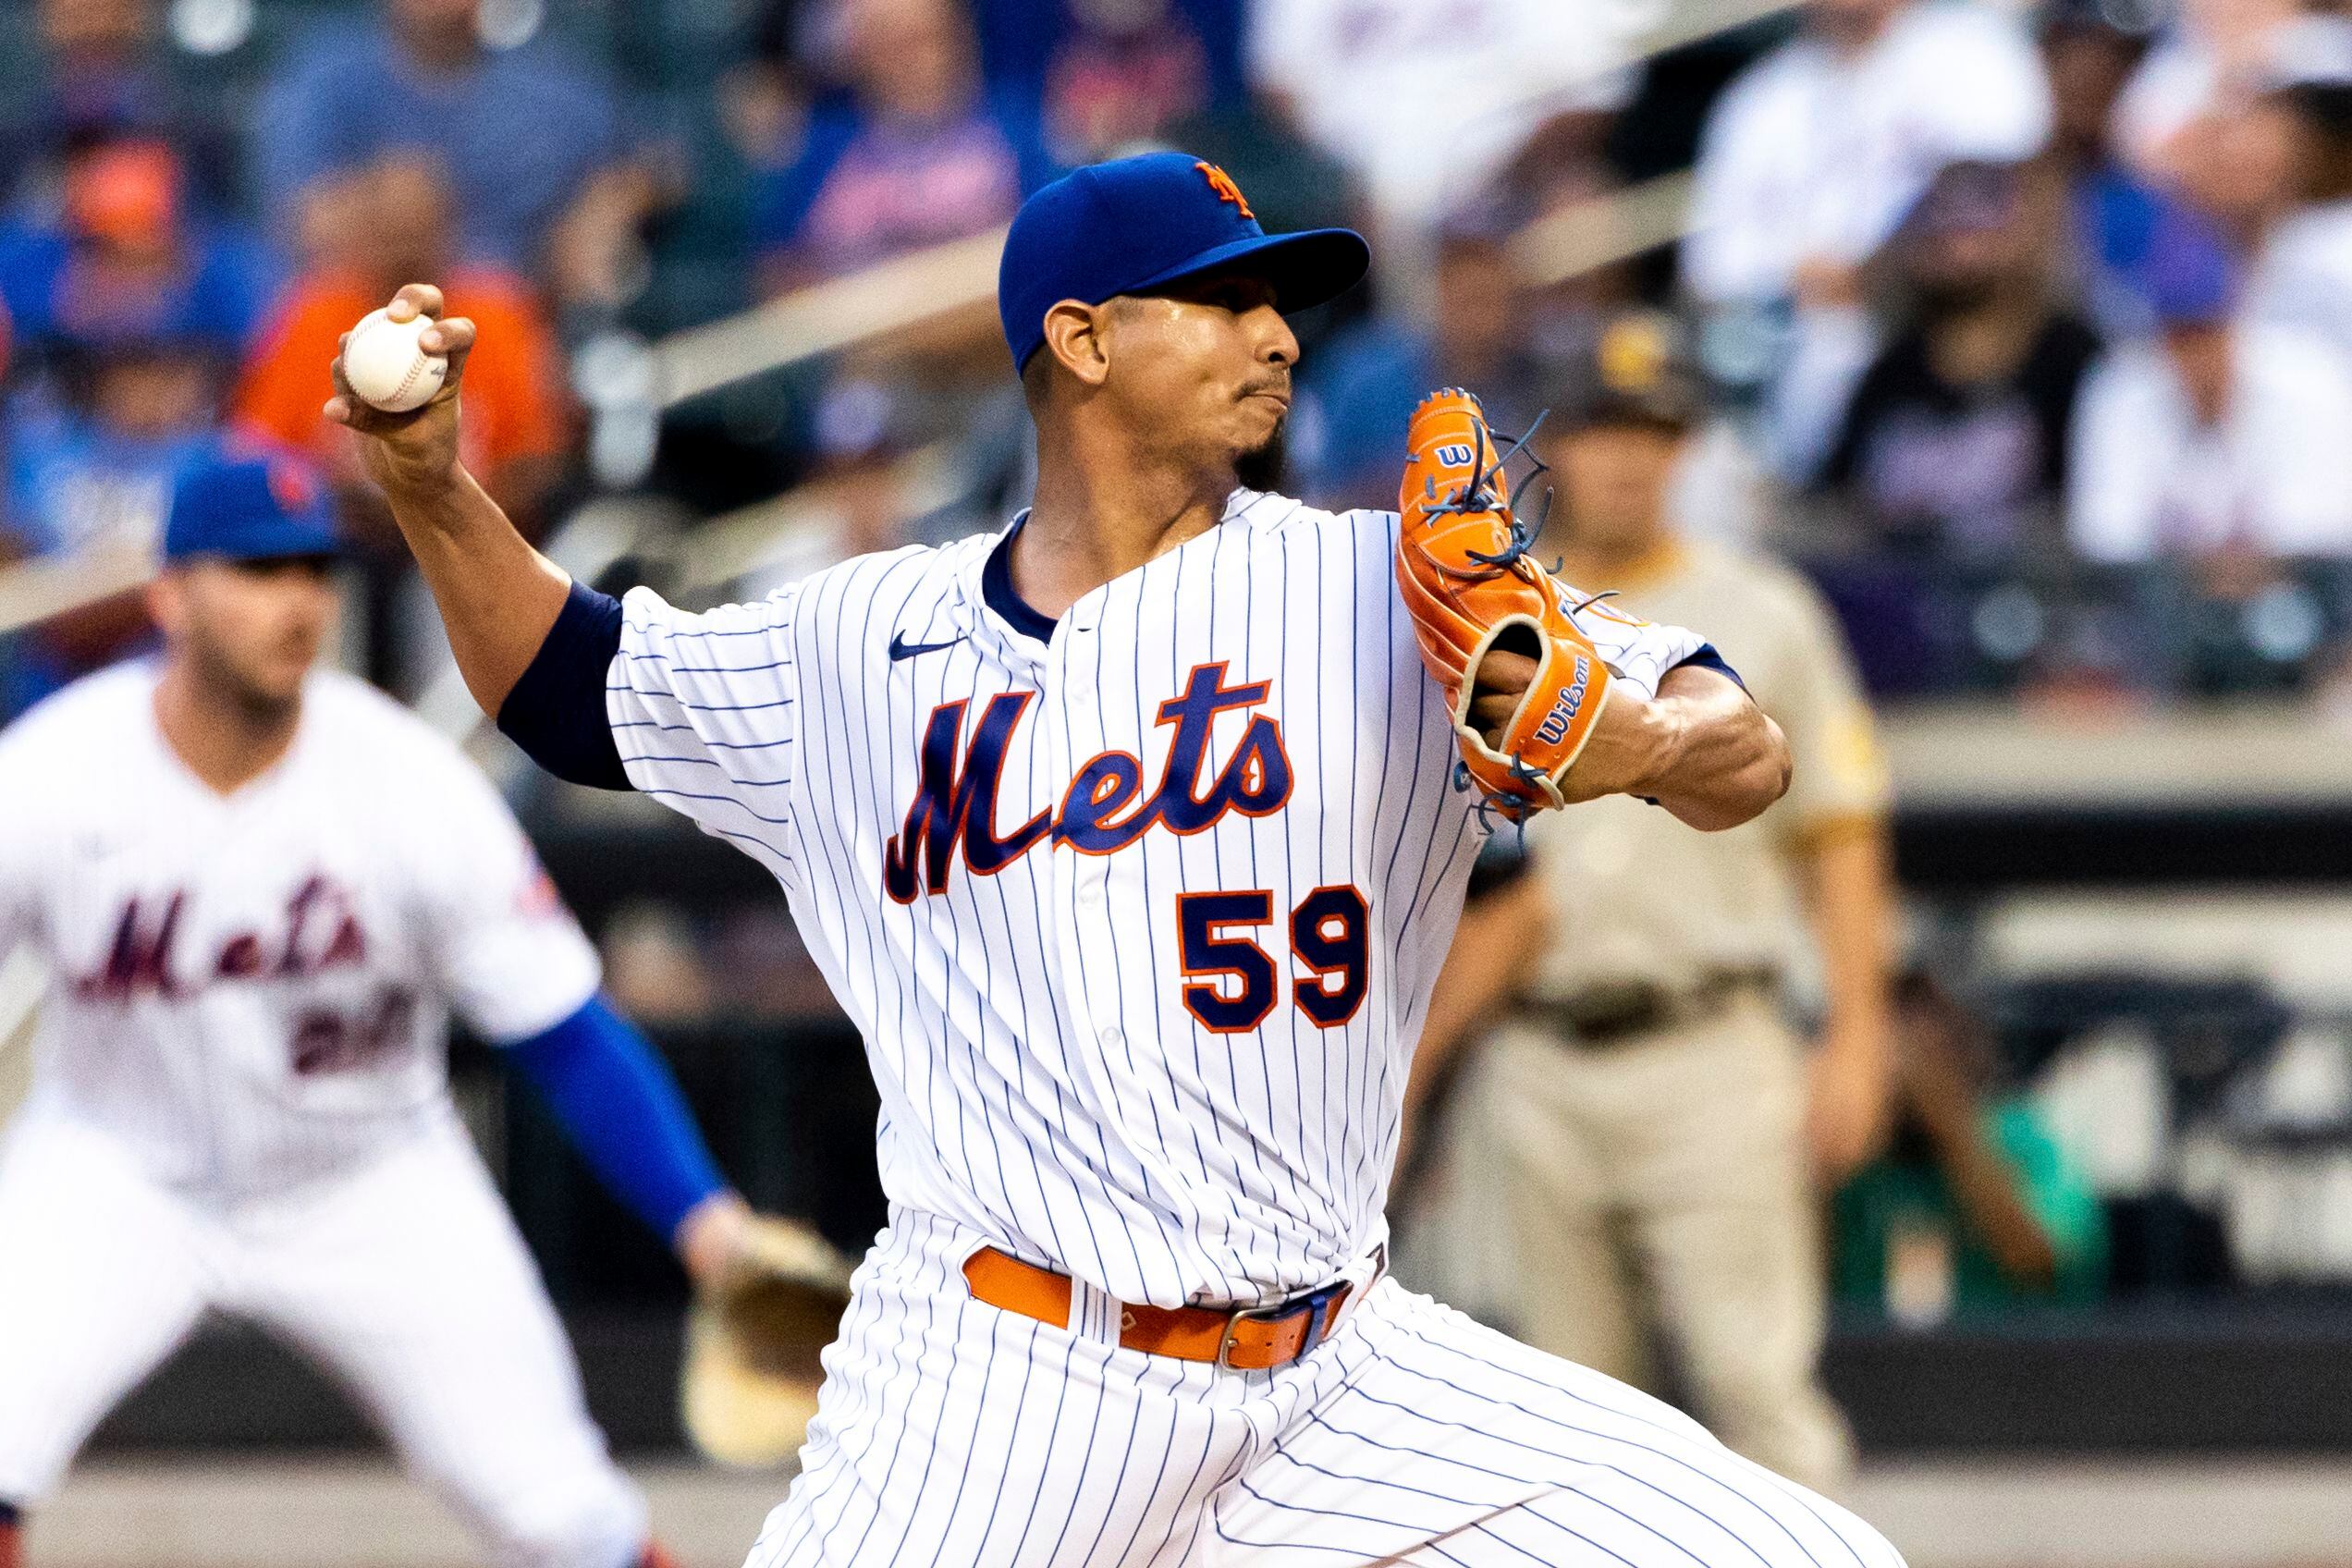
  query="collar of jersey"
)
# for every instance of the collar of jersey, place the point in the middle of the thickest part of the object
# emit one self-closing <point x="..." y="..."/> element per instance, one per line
<point x="996" y="575"/>
<point x="999" y="594"/>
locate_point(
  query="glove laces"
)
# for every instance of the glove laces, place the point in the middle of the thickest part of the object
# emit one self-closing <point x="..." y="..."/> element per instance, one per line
<point x="1480" y="494"/>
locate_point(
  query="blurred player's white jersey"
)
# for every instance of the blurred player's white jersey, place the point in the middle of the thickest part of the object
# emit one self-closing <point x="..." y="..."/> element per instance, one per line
<point x="1139" y="914"/>
<point x="239" y="1101"/>
<point x="253" y="990"/>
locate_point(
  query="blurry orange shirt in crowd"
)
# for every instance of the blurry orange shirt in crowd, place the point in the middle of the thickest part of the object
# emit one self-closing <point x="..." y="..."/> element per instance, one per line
<point x="514" y="404"/>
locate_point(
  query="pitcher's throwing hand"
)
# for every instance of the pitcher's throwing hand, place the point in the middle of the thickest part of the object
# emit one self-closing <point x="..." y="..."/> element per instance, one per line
<point x="417" y="446"/>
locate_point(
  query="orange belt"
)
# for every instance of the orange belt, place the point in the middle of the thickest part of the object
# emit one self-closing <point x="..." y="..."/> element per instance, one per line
<point x="1249" y="1338"/>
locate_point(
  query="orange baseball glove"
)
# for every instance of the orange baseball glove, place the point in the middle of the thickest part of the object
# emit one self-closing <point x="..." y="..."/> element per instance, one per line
<point x="1463" y="568"/>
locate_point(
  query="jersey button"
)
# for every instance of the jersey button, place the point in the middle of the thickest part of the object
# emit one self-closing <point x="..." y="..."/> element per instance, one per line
<point x="1113" y="1037"/>
<point x="1090" y="893"/>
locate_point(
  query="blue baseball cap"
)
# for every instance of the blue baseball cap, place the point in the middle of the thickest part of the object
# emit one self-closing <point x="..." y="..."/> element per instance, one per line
<point x="1133" y="224"/>
<point x="249" y="509"/>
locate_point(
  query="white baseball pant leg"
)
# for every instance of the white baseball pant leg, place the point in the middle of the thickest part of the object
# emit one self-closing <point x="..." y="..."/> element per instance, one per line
<point x="408" y="1282"/>
<point x="954" y="1434"/>
<point x="102" y="1274"/>
<point x="1497" y="1455"/>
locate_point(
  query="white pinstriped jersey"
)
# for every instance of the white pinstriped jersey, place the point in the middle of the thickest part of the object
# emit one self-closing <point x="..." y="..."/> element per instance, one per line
<point x="252" y="991"/>
<point x="1139" y="918"/>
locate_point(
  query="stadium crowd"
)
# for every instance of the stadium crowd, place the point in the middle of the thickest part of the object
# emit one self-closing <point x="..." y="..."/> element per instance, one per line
<point x="2024" y="330"/>
<point x="2025" y="333"/>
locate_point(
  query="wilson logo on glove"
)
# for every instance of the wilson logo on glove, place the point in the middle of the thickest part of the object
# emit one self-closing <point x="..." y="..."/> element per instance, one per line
<point x="1554" y="728"/>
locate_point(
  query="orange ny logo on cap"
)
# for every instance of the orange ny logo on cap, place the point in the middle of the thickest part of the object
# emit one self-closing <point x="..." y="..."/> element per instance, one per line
<point x="1223" y="183"/>
<point x="290" y="487"/>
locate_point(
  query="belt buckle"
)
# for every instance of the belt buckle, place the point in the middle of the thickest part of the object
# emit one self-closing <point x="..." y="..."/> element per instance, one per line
<point x="1317" y="1302"/>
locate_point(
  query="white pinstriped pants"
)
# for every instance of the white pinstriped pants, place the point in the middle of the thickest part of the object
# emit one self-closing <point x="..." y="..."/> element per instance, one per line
<point x="953" y="1433"/>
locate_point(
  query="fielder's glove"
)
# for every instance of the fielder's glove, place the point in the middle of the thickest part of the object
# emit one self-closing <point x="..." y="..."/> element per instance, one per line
<point x="1465" y="577"/>
<point x="752" y="1338"/>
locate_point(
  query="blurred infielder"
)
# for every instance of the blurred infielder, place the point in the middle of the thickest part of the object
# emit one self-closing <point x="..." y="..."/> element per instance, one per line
<point x="1133" y="836"/>
<point x="259" y="889"/>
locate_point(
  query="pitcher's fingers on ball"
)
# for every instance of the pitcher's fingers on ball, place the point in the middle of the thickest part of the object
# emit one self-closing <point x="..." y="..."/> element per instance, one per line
<point x="451" y="337"/>
<point x="415" y="300"/>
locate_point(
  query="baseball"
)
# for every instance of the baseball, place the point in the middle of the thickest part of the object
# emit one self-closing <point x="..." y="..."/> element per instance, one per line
<point x="385" y="366"/>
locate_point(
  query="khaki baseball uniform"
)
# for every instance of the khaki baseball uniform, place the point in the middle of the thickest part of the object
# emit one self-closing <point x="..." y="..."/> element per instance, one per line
<point x="1622" y="1165"/>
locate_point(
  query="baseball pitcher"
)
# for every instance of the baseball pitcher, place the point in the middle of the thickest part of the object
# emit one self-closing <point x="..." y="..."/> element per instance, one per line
<point x="1133" y="835"/>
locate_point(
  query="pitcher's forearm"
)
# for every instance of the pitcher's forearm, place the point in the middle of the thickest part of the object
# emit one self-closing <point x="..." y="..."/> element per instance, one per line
<point x="1723" y="760"/>
<point x="497" y="595"/>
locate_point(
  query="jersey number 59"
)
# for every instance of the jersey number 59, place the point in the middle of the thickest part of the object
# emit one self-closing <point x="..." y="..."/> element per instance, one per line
<point x="1230" y="981"/>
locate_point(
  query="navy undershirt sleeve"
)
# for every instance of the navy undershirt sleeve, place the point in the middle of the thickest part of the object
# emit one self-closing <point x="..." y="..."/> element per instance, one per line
<point x="556" y="713"/>
<point x="1707" y="658"/>
<point x="623" y="1112"/>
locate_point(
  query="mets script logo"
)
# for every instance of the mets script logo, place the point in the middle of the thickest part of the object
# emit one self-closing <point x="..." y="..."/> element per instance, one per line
<point x="321" y="932"/>
<point x="1223" y="183"/>
<point x="1564" y="708"/>
<point x="1105" y="807"/>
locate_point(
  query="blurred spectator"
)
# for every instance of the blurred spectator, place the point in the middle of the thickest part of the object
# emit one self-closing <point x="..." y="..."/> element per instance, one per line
<point x="857" y="500"/>
<point x="1358" y="391"/>
<point x="125" y="315"/>
<point x="91" y="472"/>
<point x="1955" y="442"/>
<point x="916" y="153"/>
<point x="1020" y="38"/>
<point x="1976" y="1205"/>
<point x="2219" y="439"/>
<point x="2177" y="114"/>
<point x="2112" y="210"/>
<point x="1814" y="154"/>
<point x="1809" y="161"/>
<point x="516" y="429"/>
<point x="98" y="76"/>
<point x="1425" y="102"/>
<point x="550" y="180"/>
<point x="654" y="967"/>
<point x="1642" y="1138"/>
<point x="763" y="100"/>
<point x="2302" y="281"/>
<point x="1127" y="71"/>
<point x="126" y="258"/>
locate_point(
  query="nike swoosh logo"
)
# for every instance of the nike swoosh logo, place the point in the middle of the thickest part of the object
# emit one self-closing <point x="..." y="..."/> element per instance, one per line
<point x="902" y="649"/>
